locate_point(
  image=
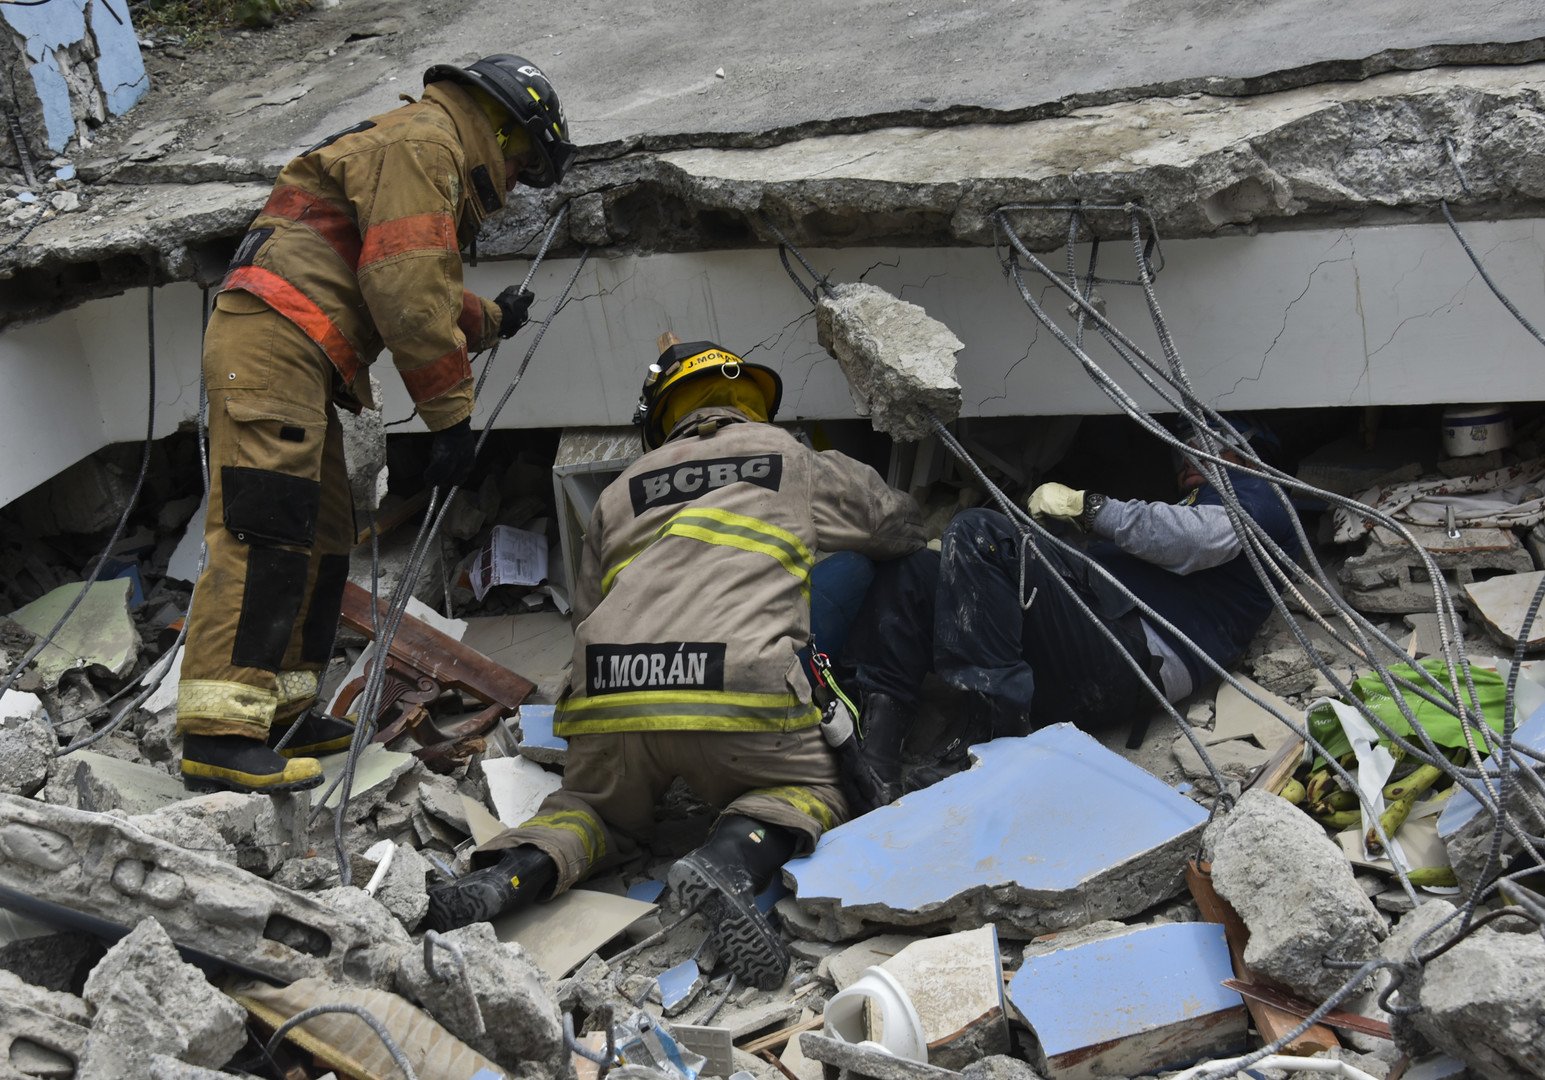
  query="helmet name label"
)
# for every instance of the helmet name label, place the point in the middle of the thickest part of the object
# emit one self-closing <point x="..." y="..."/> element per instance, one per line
<point x="683" y="483"/>
<point x="659" y="665"/>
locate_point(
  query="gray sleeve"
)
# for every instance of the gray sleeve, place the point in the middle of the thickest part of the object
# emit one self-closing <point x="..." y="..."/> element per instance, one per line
<point x="1182" y="539"/>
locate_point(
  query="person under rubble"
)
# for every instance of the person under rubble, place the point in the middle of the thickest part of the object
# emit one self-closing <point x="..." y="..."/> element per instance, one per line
<point x="959" y="611"/>
<point x="356" y="250"/>
<point x="692" y="604"/>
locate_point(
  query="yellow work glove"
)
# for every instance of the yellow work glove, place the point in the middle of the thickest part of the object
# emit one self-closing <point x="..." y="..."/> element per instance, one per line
<point x="1056" y="501"/>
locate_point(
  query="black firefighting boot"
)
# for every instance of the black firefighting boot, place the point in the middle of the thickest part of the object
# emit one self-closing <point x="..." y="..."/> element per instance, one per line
<point x="316" y="733"/>
<point x="234" y="763"/>
<point x="878" y="769"/>
<point x="722" y="879"/>
<point x="524" y="876"/>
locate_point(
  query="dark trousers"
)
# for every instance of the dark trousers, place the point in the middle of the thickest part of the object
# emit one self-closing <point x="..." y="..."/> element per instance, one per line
<point x="958" y="612"/>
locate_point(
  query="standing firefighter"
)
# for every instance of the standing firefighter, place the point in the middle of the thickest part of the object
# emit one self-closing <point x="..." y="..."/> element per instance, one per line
<point x="356" y="250"/>
<point x="692" y="603"/>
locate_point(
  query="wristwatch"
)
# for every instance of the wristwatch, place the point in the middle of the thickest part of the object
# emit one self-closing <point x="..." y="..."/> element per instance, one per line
<point x="1093" y="504"/>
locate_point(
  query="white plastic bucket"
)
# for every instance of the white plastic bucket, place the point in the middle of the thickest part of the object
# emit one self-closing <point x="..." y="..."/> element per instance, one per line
<point x="1476" y="429"/>
<point x="901" y="1029"/>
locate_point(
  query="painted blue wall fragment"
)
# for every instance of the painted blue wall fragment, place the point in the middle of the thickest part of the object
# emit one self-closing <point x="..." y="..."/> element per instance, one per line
<point x="1125" y="985"/>
<point x="120" y="71"/>
<point x="1046" y="811"/>
<point x="536" y="728"/>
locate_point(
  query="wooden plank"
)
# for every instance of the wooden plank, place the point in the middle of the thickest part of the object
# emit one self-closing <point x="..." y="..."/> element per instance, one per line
<point x="1276" y="771"/>
<point x="777" y="1039"/>
<point x="395" y="515"/>
<point x="1270" y="1021"/>
<point x="1300" y="1008"/>
<point x="440" y="656"/>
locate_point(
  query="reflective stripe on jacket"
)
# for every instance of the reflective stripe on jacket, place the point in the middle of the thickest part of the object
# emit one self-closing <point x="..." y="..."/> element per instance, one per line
<point x="694" y="590"/>
<point x="359" y="246"/>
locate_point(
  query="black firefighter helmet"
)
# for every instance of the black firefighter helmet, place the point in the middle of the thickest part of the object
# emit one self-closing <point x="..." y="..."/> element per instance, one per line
<point x="520" y="87"/>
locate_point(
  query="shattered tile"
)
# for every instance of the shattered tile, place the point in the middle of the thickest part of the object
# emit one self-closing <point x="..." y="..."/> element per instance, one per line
<point x="846" y="967"/>
<point x="378" y="768"/>
<point x="955" y="983"/>
<point x="99" y="633"/>
<point x="559" y="934"/>
<point x="1043" y="832"/>
<point x="1132" y="1003"/>
<point x="517" y="787"/>
<point x="1500" y="604"/>
<point x="1237" y="717"/>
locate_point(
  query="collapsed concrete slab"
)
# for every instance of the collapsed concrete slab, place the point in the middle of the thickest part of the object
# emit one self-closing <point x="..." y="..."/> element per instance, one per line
<point x="899" y="361"/>
<point x="1042" y="833"/>
<point x="1131" y="1003"/>
<point x="262" y="830"/>
<point x="99" y="632"/>
<point x="146" y="1000"/>
<point x="103" y="874"/>
<point x="1295" y="891"/>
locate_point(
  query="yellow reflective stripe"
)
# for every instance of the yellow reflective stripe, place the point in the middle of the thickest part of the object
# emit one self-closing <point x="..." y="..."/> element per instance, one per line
<point x="294" y="686"/>
<point x="801" y="799"/>
<point x="683" y="710"/>
<point x="210" y="699"/>
<point x="583" y="825"/>
<point x="713" y="526"/>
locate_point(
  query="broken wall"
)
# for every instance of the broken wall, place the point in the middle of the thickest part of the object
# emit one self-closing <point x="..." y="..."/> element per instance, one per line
<point x="68" y="65"/>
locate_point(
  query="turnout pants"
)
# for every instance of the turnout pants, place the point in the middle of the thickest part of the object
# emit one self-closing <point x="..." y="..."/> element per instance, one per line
<point x="958" y="612"/>
<point x="279" y="528"/>
<point x="612" y="783"/>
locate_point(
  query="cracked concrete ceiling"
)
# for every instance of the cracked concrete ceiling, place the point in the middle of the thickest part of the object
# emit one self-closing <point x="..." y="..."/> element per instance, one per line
<point x="887" y="124"/>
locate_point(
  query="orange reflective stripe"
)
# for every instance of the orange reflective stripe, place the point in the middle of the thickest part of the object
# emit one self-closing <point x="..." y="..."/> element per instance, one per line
<point x="438" y="376"/>
<point x="328" y="220"/>
<point x="418" y="232"/>
<point x="301" y="310"/>
<point x="471" y="318"/>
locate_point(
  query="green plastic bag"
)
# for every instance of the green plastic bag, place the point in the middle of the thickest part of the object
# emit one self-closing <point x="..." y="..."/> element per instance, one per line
<point x="1441" y="725"/>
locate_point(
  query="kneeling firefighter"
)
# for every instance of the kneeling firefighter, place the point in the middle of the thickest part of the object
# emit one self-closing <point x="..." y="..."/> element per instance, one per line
<point x="691" y="607"/>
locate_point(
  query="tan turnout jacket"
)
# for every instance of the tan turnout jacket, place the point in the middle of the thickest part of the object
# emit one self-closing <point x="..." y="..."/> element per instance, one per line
<point x="694" y="591"/>
<point x="359" y="246"/>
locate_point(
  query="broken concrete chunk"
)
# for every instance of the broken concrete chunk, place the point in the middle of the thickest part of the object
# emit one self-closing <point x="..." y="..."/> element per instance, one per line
<point x="364" y="451"/>
<point x="1390" y="578"/>
<point x="88" y="780"/>
<point x="1466" y="830"/>
<point x="1481" y="1001"/>
<point x="510" y="1016"/>
<point x="518" y="786"/>
<point x="148" y="1001"/>
<point x="375" y="775"/>
<point x="208" y="907"/>
<point x="955" y="983"/>
<point x="262" y="830"/>
<point x="1132" y="1003"/>
<point x="1043" y="832"/>
<point x="899" y="362"/>
<point x="27" y="744"/>
<point x="40" y="1030"/>
<point x="100" y="632"/>
<point x="1236" y="759"/>
<point x="1295" y="891"/>
<point x="1237" y="717"/>
<point x="405" y="891"/>
<point x="999" y="1067"/>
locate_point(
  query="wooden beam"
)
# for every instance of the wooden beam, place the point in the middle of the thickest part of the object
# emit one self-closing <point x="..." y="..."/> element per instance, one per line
<point x="776" y="1040"/>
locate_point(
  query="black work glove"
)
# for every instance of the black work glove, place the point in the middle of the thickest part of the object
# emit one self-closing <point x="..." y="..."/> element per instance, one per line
<point x="451" y="455"/>
<point x="514" y="309"/>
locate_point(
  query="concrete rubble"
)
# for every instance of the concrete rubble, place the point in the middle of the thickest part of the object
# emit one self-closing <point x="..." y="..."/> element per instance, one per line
<point x="1030" y="910"/>
<point x="1295" y="892"/>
